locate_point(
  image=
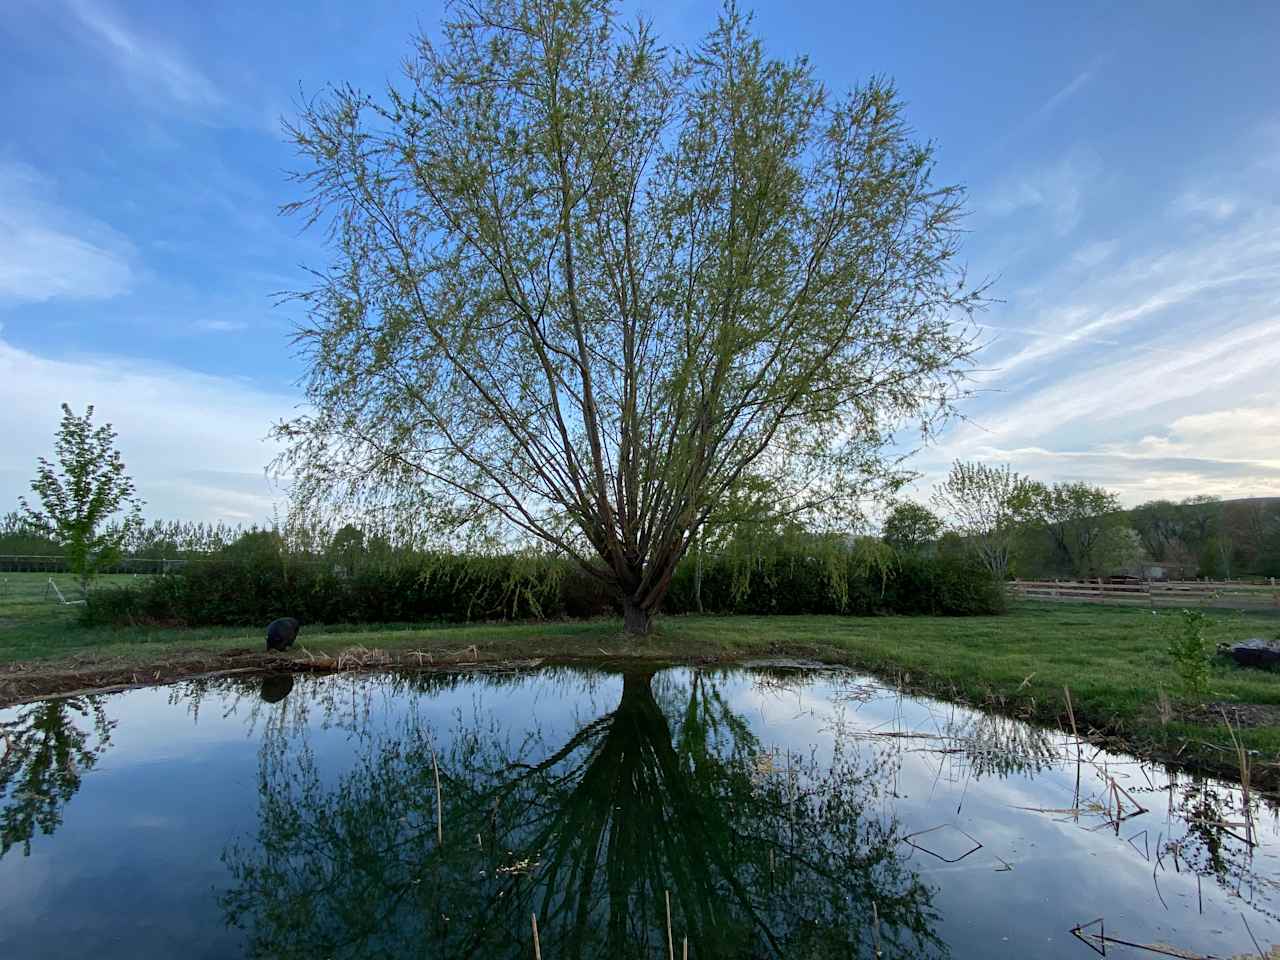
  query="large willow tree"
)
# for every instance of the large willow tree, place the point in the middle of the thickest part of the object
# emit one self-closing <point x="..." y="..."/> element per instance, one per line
<point x="587" y="286"/>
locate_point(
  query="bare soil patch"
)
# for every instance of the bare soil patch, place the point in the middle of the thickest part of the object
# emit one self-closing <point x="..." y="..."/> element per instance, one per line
<point x="85" y="674"/>
<point x="1240" y="714"/>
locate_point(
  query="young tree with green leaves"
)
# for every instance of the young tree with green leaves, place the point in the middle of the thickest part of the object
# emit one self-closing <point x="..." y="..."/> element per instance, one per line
<point x="984" y="505"/>
<point x="89" y="503"/>
<point x="910" y="527"/>
<point x="586" y="286"/>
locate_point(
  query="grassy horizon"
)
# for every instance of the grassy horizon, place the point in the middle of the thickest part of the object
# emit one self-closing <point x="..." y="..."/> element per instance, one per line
<point x="1113" y="659"/>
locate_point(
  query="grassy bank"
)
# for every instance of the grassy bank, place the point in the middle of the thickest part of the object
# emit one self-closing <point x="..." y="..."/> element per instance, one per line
<point x="1112" y="659"/>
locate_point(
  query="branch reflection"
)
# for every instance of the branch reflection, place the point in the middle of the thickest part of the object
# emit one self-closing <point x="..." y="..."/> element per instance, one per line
<point x="761" y="853"/>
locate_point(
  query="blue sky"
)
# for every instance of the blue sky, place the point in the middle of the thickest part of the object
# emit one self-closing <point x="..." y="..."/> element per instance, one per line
<point x="1123" y="163"/>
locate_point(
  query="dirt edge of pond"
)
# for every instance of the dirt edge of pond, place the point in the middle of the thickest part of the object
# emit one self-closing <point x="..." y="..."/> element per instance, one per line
<point x="92" y="674"/>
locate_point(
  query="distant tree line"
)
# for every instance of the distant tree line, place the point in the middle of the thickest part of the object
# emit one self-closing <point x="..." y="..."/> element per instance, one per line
<point x="157" y="540"/>
<point x="1018" y="526"/>
<point x="1220" y="538"/>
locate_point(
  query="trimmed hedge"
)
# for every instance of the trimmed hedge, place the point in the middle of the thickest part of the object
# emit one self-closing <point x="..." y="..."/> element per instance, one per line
<point x="790" y="584"/>
<point x="444" y="588"/>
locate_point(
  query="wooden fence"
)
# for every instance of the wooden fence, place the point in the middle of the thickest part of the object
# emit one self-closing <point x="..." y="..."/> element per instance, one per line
<point x="1231" y="594"/>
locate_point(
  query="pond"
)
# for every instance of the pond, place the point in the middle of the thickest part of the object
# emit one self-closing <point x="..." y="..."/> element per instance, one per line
<point x="765" y="811"/>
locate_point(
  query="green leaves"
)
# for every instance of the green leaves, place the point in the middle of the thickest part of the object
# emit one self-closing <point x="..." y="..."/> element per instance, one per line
<point x="984" y="504"/>
<point x="910" y="527"/>
<point x="82" y="494"/>
<point x="585" y="287"/>
<point x="1085" y="526"/>
<point x="1190" y="650"/>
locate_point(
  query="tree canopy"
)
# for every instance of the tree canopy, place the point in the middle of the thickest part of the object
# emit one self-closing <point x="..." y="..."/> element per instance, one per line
<point x="985" y="505"/>
<point x="911" y="527"/>
<point x="1084" y="524"/>
<point x="82" y="494"/>
<point x="586" y="287"/>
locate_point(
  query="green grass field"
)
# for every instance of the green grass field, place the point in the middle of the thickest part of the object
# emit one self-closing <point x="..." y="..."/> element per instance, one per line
<point x="1113" y="659"/>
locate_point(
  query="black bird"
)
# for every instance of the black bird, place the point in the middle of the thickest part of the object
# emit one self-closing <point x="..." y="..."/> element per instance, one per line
<point x="281" y="633"/>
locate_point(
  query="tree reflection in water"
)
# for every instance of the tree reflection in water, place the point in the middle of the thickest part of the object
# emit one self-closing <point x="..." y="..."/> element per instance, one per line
<point x="48" y="746"/>
<point x="762" y="854"/>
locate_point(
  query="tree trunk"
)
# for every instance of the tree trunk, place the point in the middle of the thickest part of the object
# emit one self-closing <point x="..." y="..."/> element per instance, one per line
<point x="637" y="619"/>
<point x="697" y="577"/>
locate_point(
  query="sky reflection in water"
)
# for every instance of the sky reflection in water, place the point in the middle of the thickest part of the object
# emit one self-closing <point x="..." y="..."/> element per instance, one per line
<point x="780" y="811"/>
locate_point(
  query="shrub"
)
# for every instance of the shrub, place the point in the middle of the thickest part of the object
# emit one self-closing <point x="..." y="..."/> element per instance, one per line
<point x="1190" y="650"/>
<point x="240" y="591"/>
<point x="790" y="583"/>
<point x="244" y="590"/>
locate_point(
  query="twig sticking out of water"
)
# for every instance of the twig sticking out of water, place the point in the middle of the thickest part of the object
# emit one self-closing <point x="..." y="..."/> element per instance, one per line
<point x="875" y="928"/>
<point x="911" y="840"/>
<point x="1252" y="937"/>
<point x="1242" y="757"/>
<point x="1139" y="808"/>
<point x="537" y="947"/>
<point x="1100" y="940"/>
<point x="1071" y="715"/>
<point x="1075" y="734"/>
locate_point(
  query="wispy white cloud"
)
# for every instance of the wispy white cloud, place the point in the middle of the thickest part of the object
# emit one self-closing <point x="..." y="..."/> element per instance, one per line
<point x="1198" y="204"/>
<point x="1228" y="275"/>
<point x="193" y="443"/>
<point x="1250" y="432"/>
<point x="48" y="251"/>
<point x="1055" y="192"/>
<point x="1092" y="408"/>
<point x="222" y="326"/>
<point x="146" y="60"/>
<point x="1047" y="108"/>
<point x="1095" y="253"/>
<point x="1146" y="362"/>
<point x="1063" y="95"/>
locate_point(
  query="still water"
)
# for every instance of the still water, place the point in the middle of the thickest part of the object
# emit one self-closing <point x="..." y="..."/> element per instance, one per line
<point x="757" y="812"/>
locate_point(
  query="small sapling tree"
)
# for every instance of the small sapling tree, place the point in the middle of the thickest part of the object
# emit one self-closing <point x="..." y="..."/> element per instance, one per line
<point x="88" y="501"/>
<point x="985" y="504"/>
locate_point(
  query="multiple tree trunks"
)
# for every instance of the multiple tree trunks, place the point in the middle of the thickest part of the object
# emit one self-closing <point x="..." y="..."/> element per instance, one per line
<point x="599" y="292"/>
<point x="1233" y="594"/>
<point x="636" y="618"/>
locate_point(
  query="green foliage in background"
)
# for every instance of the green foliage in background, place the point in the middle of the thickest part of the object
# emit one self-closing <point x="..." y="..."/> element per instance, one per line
<point x="244" y="591"/>
<point x="910" y="527"/>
